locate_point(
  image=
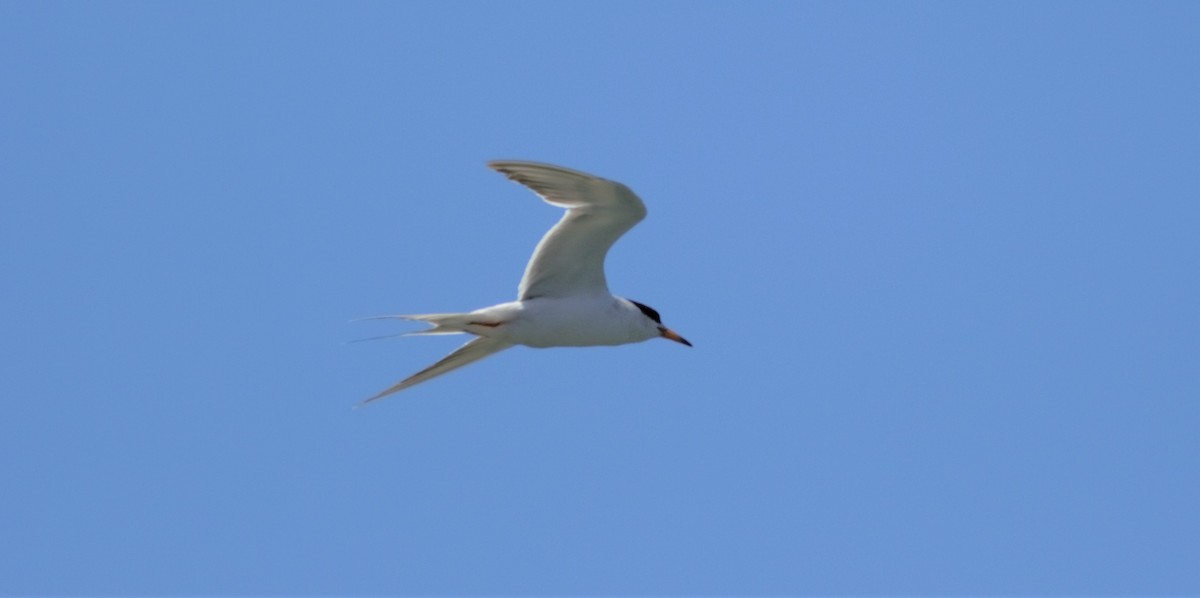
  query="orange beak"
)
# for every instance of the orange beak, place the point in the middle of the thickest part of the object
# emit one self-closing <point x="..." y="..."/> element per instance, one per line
<point x="671" y="334"/>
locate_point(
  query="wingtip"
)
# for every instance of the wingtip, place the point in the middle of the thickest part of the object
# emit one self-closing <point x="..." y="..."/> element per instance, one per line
<point x="506" y="167"/>
<point x="498" y="165"/>
<point x="369" y="400"/>
<point x="393" y="389"/>
<point x="499" y="162"/>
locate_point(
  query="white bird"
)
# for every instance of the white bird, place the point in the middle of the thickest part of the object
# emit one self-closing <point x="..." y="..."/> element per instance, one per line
<point x="563" y="299"/>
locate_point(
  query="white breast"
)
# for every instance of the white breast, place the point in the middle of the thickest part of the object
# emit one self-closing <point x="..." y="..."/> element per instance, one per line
<point x="578" y="321"/>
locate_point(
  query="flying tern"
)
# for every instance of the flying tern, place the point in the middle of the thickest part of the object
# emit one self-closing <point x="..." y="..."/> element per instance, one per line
<point x="563" y="299"/>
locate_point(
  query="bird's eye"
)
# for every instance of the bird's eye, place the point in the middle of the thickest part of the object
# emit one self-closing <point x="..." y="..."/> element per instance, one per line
<point x="649" y="311"/>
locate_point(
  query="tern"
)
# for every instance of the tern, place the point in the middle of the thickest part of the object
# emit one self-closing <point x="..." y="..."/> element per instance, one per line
<point x="563" y="299"/>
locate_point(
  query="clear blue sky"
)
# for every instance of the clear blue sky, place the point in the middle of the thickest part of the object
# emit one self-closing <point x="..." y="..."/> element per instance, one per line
<point x="939" y="260"/>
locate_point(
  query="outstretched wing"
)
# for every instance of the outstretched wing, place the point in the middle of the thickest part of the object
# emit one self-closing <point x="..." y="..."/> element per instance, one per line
<point x="473" y="351"/>
<point x="570" y="258"/>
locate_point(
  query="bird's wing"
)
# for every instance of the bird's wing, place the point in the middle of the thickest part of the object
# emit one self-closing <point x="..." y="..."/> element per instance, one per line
<point x="473" y="351"/>
<point x="570" y="258"/>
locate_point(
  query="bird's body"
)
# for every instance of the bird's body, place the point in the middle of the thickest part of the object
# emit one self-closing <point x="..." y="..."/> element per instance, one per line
<point x="563" y="299"/>
<point x="581" y="321"/>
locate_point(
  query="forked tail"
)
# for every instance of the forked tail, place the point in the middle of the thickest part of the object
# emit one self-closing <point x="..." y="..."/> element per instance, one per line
<point x="442" y="323"/>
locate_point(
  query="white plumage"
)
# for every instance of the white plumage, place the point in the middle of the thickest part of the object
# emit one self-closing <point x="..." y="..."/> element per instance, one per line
<point x="563" y="299"/>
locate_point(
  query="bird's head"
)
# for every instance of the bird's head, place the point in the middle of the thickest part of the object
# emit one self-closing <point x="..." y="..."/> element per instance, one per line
<point x="655" y="319"/>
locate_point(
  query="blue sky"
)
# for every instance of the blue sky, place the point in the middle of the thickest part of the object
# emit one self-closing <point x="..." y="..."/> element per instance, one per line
<point x="939" y="262"/>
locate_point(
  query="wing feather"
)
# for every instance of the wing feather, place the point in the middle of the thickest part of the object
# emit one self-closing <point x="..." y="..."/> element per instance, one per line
<point x="473" y="351"/>
<point x="569" y="260"/>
